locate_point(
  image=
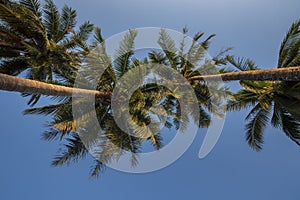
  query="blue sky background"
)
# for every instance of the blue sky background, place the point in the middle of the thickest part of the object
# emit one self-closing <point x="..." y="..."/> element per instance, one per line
<point x="232" y="171"/>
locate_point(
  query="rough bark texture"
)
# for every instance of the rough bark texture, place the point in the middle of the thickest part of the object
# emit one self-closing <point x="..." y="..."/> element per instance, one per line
<point x="17" y="84"/>
<point x="283" y="74"/>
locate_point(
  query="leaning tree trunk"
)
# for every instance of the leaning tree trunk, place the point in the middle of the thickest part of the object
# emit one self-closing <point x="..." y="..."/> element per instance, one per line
<point x="277" y="74"/>
<point x="17" y="84"/>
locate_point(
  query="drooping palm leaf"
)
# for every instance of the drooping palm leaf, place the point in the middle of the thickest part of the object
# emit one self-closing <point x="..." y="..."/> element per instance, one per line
<point x="74" y="151"/>
<point x="258" y="119"/>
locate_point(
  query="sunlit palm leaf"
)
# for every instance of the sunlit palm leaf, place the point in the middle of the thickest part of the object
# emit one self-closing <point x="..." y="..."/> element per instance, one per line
<point x="121" y="62"/>
<point x="169" y="48"/>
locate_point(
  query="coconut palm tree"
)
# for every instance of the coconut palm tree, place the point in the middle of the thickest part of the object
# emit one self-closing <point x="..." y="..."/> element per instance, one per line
<point x="50" y="51"/>
<point x="41" y="41"/>
<point x="63" y="125"/>
<point x="271" y="101"/>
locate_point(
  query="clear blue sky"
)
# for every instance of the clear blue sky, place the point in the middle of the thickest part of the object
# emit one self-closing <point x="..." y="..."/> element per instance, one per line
<point x="232" y="171"/>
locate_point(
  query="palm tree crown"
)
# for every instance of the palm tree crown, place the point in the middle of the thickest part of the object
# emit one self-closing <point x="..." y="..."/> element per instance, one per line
<point x="64" y="124"/>
<point x="273" y="101"/>
<point x="41" y="41"/>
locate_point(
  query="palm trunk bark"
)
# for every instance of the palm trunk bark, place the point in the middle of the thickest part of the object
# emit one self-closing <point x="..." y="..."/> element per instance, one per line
<point x="277" y="74"/>
<point x="17" y="84"/>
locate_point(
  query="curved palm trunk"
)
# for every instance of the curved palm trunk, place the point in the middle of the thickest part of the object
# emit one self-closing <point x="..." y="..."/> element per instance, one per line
<point x="17" y="84"/>
<point x="278" y="74"/>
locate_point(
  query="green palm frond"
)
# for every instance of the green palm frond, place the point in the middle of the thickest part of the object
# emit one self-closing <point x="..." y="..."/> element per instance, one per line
<point x="97" y="169"/>
<point x="195" y="53"/>
<point x="276" y="120"/>
<point x="45" y="110"/>
<point x="290" y="104"/>
<point x="68" y="18"/>
<point x="290" y="126"/>
<point x="222" y="59"/>
<point x="33" y="5"/>
<point x="258" y="87"/>
<point x="204" y="118"/>
<point x="65" y="127"/>
<point x="156" y="140"/>
<point x="242" y="64"/>
<point x="41" y="110"/>
<point x="291" y="55"/>
<point x="58" y="130"/>
<point x="66" y="23"/>
<point x="17" y="17"/>
<point x="290" y="48"/>
<point x="78" y="39"/>
<point x="205" y="43"/>
<point x="169" y="48"/>
<point x="204" y="96"/>
<point x="121" y="62"/>
<point x="252" y="92"/>
<point x="50" y="135"/>
<point x="8" y="45"/>
<point x="157" y="57"/>
<point x="63" y="122"/>
<point x="242" y="99"/>
<point x="97" y="35"/>
<point x="85" y="30"/>
<point x="33" y="98"/>
<point x="71" y="43"/>
<point x="13" y="66"/>
<point x="74" y="150"/>
<point x="295" y="61"/>
<point x="258" y="119"/>
<point x="51" y="19"/>
<point x="183" y="43"/>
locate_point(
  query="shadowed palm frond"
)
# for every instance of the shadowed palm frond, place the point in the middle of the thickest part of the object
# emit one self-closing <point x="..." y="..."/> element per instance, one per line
<point x="276" y="120"/>
<point x="16" y="17"/>
<point x="97" y="168"/>
<point x="258" y="119"/>
<point x="290" y="47"/>
<point x="33" y="5"/>
<point x="13" y="66"/>
<point x="51" y="19"/>
<point x="46" y="110"/>
<point x="74" y="150"/>
<point x="290" y="126"/>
